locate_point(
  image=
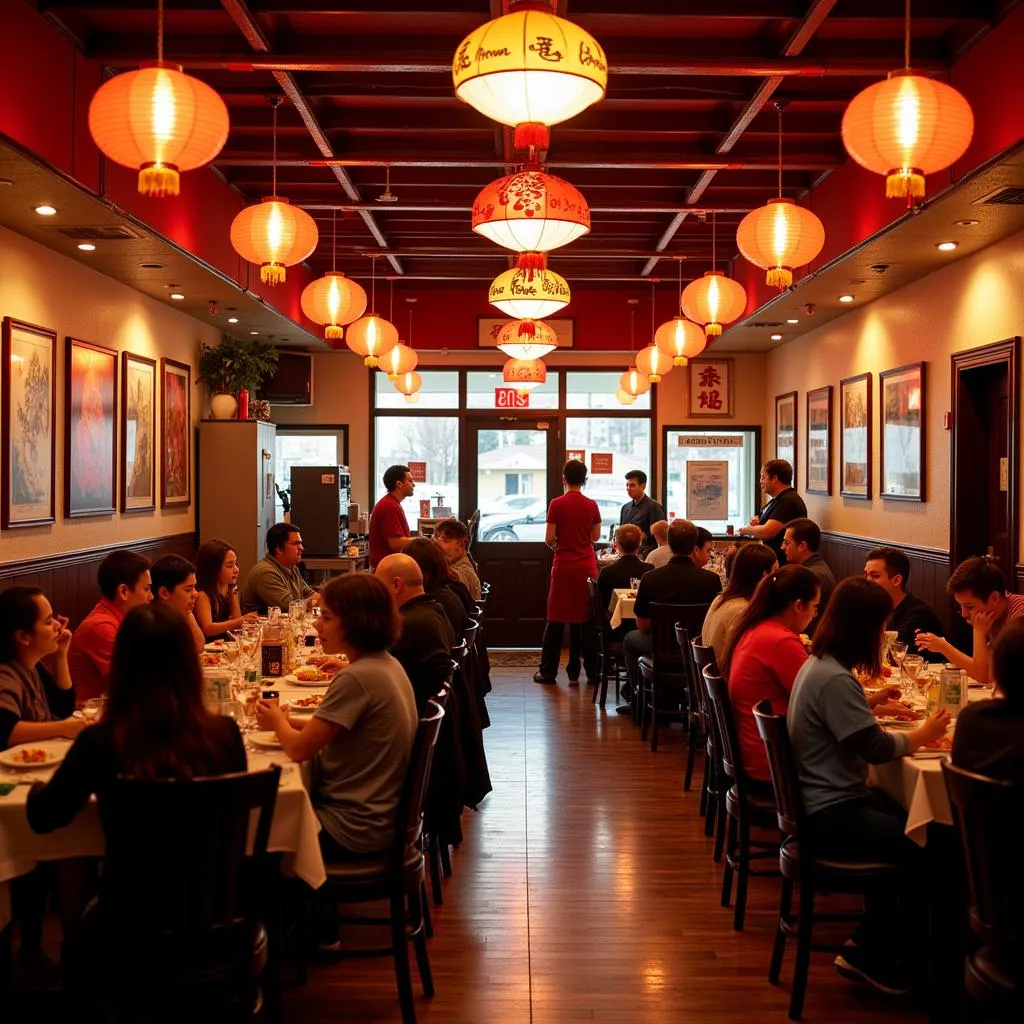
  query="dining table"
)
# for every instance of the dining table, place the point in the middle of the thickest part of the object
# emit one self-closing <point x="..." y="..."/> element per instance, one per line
<point x="620" y="607"/>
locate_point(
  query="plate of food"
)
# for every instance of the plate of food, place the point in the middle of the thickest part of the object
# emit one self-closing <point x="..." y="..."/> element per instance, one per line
<point x="43" y="754"/>
<point x="268" y="740"/>
<point x="936" y="748"/>
<point x="305" y="705"/>
<point x="308" y="675"/>
<point x="898" y="715"/>
<point x="210" y="659"/>
<point x="215" y="646"/>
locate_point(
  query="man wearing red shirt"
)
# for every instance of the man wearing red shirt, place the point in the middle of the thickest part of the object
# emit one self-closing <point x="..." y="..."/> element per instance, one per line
<point x="389" y="529"/>
<point x="124" y="581"/>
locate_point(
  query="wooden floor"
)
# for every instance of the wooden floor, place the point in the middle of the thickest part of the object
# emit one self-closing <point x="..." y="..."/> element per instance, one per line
<point x="585" y="890"/>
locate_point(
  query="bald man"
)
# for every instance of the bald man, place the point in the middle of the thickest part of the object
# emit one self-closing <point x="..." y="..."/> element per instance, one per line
<point x="424" y="647"/>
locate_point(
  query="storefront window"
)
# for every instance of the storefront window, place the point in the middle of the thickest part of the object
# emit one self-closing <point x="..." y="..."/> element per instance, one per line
<point x="440" y="391"/>
<point x="480" y="391"/>
<point x="433" y="442"/>
<point x="596" y="390"/>
<point x="307" y="446"/>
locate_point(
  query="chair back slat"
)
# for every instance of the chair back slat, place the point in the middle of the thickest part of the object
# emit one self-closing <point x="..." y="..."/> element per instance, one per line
<point x="989" y="818"/>
<point x="782" y="764"/>
<point x="721" y="709"/>
<point x="703" y="658"/>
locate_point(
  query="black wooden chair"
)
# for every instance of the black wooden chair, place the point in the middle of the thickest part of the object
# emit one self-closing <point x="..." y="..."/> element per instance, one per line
<point x="712" y="790"/>
<point x="609" y="650"/>
<point x="399" y="876"/>
<point x="803" y="868"/>
<point x="745" y="808"/>
<point x="175" y="928"/>
<point x="989" y="818"/>
<point x="448" y="756"/>
<point x="687" y="633"/>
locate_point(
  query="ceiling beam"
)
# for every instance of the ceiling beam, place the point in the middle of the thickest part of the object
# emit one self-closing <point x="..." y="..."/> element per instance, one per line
<point x="817" y="13"/>
<point x="254" y="35"/>
<point x="468" y="207"/>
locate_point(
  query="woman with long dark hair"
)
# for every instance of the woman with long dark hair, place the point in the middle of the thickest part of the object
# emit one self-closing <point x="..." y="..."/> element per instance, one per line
<point x="217" y="609"/>
<point x="750" y="565"/>
<point x="440" y="583"/>
<point x="765" y="653"/>
<point x="835" y="738"/>
<point x="155" y="724"/>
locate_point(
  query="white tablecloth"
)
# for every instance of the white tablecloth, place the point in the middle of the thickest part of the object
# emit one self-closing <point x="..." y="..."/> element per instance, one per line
<point x="621" y="607"/>
<point x="917" y="785"/>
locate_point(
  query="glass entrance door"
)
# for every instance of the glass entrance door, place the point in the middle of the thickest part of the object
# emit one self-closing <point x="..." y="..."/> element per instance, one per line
<point x="510" y="478"/>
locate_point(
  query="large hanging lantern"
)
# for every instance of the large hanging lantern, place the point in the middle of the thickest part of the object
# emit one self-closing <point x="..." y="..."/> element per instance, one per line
<point x="653" y="362"/>
<point x="333" y="300"/>
<point x="409" y="383"/>
<point x="399" y="360"/>
<point x="624" y="397"/>
<point x="634" y="383"/>
<point x="524" y="374"/>
<point x="907" y="127"/>
<point x="529" y="291"/>
<point x="531" y="212"/>
<point x="714" y="300"/>
<point x="530" y="69"/>
<point x="371" y="337"/>
<point x="527" y="339"/>
<point x="275" y="235"/>
<point x="779" y="237"/>
<point x="681" y="339"/>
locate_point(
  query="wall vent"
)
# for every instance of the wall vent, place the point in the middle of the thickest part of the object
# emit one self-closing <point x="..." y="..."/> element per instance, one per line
<point x="1011" y="195"/>
<point x="101" y="233"/>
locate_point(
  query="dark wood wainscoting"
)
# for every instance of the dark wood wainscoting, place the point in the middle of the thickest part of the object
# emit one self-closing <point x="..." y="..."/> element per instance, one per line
<point x="929" y="567"/>
<point x="69" y="578"/>
<point x="517" y="606"/>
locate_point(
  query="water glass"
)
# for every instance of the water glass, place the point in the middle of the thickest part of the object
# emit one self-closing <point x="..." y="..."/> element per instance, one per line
<point x="634" y="582"/>
<point x="913" y="666"/>
<point x="897" y="652"/>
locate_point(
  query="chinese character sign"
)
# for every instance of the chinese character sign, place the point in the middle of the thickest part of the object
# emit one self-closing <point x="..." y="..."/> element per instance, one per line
<point x="711" y="387"/>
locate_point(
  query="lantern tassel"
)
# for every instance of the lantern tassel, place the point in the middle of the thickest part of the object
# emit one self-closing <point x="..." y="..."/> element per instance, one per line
<point x="712" y="330"/>
<point x="680" y="361"/>
<point x="532" y="262"/>
<point x="531" y="134"/>
<point x="334" y="331"/>
<point x="779" y="277"/>
<point x="370" y="361"/>
<point x="159" y="180"/>
<point x="654" y="378"/>
<point x="904" y="184"/>
<point x="272" y="273"/>
<point x="526" y="327"/>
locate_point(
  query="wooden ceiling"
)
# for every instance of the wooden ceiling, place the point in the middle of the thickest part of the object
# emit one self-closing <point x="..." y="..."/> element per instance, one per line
<point x="688" y="125"/>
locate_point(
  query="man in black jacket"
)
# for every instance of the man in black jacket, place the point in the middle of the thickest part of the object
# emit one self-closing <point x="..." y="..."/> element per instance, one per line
<point x="890" y="569"/>
<point x="628" y="566"/>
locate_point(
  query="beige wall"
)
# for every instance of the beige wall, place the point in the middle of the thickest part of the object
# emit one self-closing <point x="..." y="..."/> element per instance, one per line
<point x="975" y="301"/>
<point x="42" y="287"/>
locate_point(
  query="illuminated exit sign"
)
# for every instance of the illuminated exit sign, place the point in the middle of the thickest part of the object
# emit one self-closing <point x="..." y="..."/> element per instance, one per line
<point x="510" y="398"/>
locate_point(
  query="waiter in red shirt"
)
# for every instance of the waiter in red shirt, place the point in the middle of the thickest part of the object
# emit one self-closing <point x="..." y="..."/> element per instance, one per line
<point x="389" y="529"/>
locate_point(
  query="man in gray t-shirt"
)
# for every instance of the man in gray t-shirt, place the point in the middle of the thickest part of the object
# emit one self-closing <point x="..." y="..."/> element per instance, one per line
<point x="361" y="771"/>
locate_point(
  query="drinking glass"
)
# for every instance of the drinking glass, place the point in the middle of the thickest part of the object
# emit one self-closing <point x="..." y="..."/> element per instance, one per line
<point x="913" y="666"/>
<point x="897" y="652"/>
<point x="93" y="708"/>
<point x="634" y="582"/>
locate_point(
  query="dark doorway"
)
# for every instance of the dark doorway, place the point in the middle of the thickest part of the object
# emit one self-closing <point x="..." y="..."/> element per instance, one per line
<point x="983" y="515"/>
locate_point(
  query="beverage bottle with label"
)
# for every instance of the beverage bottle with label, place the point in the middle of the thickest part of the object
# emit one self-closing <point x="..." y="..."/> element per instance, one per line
<point x="935" y="690"/>
<point x="272" y="653"/>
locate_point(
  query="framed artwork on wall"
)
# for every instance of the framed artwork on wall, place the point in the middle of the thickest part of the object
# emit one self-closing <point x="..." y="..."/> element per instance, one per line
<point x="90" y="438"/>
<point x="176" y="435"/>
<point x="29" y="427"/>
<point x="138" y="433"/>
<point x="819" y="441"/>
<point x="902" y="464"/>
<point x="855" y="436"/>
<point x="785" y="429"/>
<point x="711" y="387"/>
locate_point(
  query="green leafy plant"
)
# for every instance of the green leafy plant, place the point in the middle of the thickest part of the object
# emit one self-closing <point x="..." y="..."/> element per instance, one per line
<point x="234" y="365"/>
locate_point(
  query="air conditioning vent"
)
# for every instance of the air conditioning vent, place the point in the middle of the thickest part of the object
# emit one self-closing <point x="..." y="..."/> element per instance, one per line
<point x="1012" y="195"/>
<point x="102" y="233"/>
<point x="767" y="323"/>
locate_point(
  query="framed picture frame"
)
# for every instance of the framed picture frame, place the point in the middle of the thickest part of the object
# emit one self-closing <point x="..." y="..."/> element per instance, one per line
<point x="138" y="433"/>
<point x="711" y="387"/>
<point x="819" y="441"/>
<point x="29" y="424"/>
<point x="90" y="429"/>
<point x="902" y="465"/>
<point x="175" y="434"/>
<point x="786" y="428"/>
<point x="855" y="436"/>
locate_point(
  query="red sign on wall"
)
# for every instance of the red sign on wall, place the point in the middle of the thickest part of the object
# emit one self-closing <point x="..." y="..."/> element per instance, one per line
<point x="601" y="462"/>
<point x="418" y="472"/>
<point x="510" y="398"/>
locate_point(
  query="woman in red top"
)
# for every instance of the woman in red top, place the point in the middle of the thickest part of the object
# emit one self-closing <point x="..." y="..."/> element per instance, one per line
<point x="764" y="655"/>
<point x="574" y="523"/>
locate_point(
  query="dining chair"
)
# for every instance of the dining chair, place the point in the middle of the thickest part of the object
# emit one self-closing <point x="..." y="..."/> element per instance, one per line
<point x="398" y="876"/>
<point x="802" y="867"/>
<point x="175" y="923"/>
<point x="443" y="804"/>
<point x="609" y="650"/>
<point x="744" y="807"/>
<point x="989" y="819"/>
<point x="712" y="792"/>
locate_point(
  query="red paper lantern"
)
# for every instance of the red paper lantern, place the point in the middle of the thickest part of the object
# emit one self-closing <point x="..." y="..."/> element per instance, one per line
<point x="527" y="339"/>
<point x="333" y="300"/>
<point x="714" y="300"/>
<point x="653" y="362"/>
<point x="274" y="234"/>
<point x="779" y="237"/>
<point x="371" y="336"/>
<point x="681" y="339"/>
<point x="398" y="361"/>
<point x="409" y="383"/>
<point x="634" y="383"/>
<point x="524" y="374"/>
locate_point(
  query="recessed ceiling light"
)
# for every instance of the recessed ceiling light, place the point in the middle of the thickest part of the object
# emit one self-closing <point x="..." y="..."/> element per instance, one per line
<point x="946" y="246"/>
<point x="254" y="332"/>
<point x="46" y="211"/>
<point x="792" y="320"/>
<point x="232" y="319"/>
<point x="776" y="337"/>
<point x="177" y="296"/>
<point x="86" y="246"/>
<point x="965" y="223"/>
<point x="846" y="298"/>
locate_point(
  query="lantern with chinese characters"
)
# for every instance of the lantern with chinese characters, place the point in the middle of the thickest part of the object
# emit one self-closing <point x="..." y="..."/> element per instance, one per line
<point x="401" y="359"/>
<point x="333" y="300"/>
<point x="371" y="337"/>
<point x="779" y="237"/>
<point x="681" y="339"/>
<point x="526" y="293"/>
<point x="526" y="339"/>
<point x="633" y="382"/>
<point x="653" y="362"/>
<point x="714" y="300"/>
<point x="531" y="211"/>
<point x="529" y="69"/>
<point x="524" y="374"/>
<point x="408" y="383"/>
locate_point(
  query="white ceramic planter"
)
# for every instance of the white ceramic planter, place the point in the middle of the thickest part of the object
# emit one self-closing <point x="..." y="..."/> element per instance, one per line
<point x="223" y="407"/>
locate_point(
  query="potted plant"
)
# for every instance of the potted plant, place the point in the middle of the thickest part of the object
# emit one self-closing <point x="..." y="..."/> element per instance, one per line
<point x="231" y="367"/>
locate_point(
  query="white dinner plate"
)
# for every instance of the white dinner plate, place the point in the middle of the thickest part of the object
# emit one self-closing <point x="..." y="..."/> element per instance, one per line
<point x="898" y="723"/>
<point x="54" y="750"/>
<point x="268" y="740"/>
<point x="293" y="680"/>
<point x="217" y="647"/>
<point x="923" y="754"/>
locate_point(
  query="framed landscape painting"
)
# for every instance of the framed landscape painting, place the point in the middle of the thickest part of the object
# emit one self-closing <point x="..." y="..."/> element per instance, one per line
<point x="855" y="436"/>
<point x="819" y="440"/>
<point x="29" y="427"/>
<point x="138" y="433"/>
<point x="175" y="438"/>
<point x="90" y="417"/>
<point x="785" y="429"/>
<point x="902" y="463"/>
